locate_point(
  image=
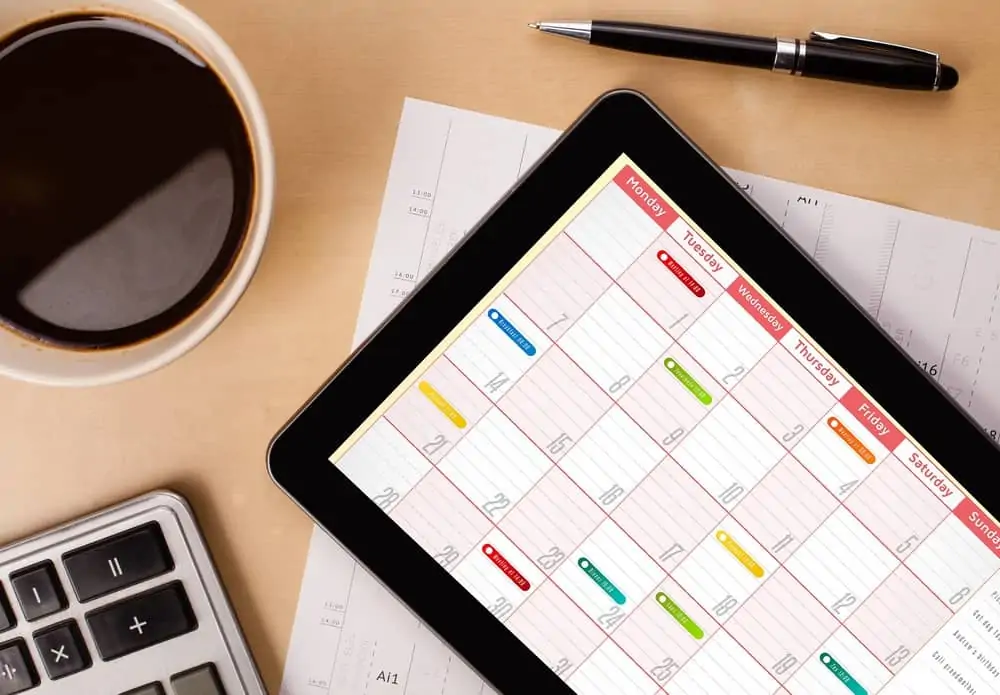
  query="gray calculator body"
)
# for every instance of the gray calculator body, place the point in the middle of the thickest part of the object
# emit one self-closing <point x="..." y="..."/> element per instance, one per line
<point x="125" y="600"/>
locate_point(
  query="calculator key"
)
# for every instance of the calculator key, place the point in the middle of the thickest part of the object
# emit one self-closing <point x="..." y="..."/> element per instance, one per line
<point x="114" y="563"/>
<point x="141" y="621"/>
<point x="17" y="673"/>
<point x="151" y="689"/>
<point x="39" y="591"/>
<point x="62" y="650"/>
<point x="203" y="680"/>
<point x="7" y="619"/>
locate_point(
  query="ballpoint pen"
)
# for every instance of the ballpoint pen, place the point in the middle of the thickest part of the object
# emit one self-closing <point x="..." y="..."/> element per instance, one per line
<point x="823" y="55"/>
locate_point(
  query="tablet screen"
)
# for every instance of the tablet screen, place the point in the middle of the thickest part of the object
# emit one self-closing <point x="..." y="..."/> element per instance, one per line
<point x="660" y="484"/>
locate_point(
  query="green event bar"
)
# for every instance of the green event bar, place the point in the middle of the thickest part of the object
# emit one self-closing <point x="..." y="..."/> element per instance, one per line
<point x="610" y="589"/>
<point x="842" y="675"/>
<point x="678" y="614"/>
<point x="688" y="381"/>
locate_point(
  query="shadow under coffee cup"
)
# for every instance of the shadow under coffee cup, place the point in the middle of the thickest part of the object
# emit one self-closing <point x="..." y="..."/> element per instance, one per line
<point x="136" y="187"/>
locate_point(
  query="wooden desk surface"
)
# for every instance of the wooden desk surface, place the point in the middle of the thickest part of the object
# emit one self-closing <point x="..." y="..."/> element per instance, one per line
<point x="333" y="74"/>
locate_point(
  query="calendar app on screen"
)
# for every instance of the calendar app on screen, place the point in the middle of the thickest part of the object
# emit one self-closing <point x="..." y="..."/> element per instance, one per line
<point x="655" y="479"/>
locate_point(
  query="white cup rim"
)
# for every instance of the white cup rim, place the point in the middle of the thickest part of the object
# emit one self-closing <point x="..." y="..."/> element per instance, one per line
<point x="203" y="321"/>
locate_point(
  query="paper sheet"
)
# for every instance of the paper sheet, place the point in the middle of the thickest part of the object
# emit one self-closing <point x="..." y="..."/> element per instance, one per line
<point x="933" y="284"/>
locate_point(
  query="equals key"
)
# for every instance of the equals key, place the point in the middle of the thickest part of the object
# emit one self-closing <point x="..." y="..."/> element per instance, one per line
<point x="118" y="562"/>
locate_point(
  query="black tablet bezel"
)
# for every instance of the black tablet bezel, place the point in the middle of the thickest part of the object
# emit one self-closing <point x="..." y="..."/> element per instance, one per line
<point x="622" y="121"/>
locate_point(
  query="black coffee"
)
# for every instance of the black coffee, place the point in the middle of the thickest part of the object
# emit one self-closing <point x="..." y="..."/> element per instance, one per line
<point x="126" y="181"/>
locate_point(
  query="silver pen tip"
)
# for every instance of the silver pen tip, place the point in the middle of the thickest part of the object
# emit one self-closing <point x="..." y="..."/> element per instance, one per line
<point x="533" y="25"/>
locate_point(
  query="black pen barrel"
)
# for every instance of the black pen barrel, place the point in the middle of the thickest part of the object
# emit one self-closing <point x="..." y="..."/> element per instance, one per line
<point x="824" y="60"/>
<point x="708" y="46"/>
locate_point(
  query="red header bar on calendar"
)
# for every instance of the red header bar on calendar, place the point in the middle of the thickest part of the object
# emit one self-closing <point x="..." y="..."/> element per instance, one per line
<point x="977" y="521"/>
<point x="667" y="219"/>
<point x="646" y="197"/>
<point x="763" y="312"/>
<point x="820" y="367"/>
<point x="873" y="419"/>
<point x="929" y="474"/>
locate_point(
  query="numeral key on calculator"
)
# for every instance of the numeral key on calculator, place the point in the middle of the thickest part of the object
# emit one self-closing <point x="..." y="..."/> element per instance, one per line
<point x="118" y="562"/>
<point x="141" y="621"/>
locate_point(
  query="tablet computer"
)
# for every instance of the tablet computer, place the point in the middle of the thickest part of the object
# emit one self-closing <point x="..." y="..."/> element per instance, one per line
<point x="629" y="439"/>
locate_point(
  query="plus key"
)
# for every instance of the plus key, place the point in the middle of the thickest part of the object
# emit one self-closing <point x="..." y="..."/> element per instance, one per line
<point x="141" y="621"/>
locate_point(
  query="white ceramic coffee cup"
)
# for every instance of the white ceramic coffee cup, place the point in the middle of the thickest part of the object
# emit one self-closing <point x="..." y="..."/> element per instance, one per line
<point x="26" y="359"/>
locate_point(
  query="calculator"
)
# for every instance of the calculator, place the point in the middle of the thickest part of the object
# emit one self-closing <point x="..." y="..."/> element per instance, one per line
<point x="125" y="601"/>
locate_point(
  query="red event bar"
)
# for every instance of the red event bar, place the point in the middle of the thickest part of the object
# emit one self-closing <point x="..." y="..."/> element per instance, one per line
<point x="976" y="520"/>
<point x="508" y="569"/>
<point x="762" y="310"/>
<point x="645" y="197"/>
<point x="680" y="273"/>
<point x="873" y="419"/>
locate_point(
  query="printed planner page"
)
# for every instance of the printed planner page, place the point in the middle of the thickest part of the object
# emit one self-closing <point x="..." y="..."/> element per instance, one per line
<point x="661" y="485"/>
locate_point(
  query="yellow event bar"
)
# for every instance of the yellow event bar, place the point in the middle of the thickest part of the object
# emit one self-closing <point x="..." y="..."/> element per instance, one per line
<point x="737" y="551"/>
<point x="443" y="405"/>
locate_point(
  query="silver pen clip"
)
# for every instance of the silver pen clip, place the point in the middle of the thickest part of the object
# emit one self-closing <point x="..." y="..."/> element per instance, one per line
<point x="871" y="44"/>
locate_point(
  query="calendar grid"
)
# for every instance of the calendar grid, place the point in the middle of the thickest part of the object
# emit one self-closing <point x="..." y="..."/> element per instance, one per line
<point x="841" y="504"/>
<point x="652" y="593"/>
<point x="649" y="596"/>
<point x="909" y="472"/>
<point x="608" y="517"/>
<point x="840" y="624"/>
<point x="765" y="435"/>
<point x="903" y="561"/>
<point x="776" y="345"/>
<point x="514" y="543"/>
<point x="556" y="585"/>
<point x="675" y="339"/>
